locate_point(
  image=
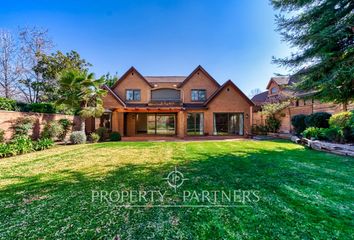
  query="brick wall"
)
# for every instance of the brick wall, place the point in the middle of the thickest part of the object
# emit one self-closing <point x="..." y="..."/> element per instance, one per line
<point x="198" y="81"/>
<point x="286" y="114"/>
<point x="8" y="118"/>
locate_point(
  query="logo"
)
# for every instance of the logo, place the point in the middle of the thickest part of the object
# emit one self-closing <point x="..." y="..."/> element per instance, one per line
<point x="186" y="198"/>
<point x="175" y="179"/>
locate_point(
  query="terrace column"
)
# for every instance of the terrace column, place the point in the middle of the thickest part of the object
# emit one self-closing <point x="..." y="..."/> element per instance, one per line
<point x="115" y="123"/>
<point x="180" y="124"/>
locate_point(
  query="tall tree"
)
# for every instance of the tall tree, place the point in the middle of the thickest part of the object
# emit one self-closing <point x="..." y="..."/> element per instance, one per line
<point x="8" y="64"/>
<point x="80" y="91"/>
<point x="34" y="42"/>
<point x="109" y="79"/>
<point x="323" y="31"/>
<point x="50" y="67"/>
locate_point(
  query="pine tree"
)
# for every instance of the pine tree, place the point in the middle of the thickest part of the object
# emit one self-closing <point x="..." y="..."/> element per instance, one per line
<point x="323" y="33"/>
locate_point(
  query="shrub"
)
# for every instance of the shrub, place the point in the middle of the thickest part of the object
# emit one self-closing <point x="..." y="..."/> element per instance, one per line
<point x="115" y="136"/>
<point x="22" y="144"/>
<point x="272" y="124"/>
<point x="341" y="120"/>
<point x="345" y="122"/>
<point x="42" y="107"/>
<point x="63" y="109"/>
<point x="78" y="137"/>
<point x="94" y="137"/>
<point x="66" y="124"/>
<point x="52" y="130"/>
<point x="7" y="104"/>
<point x="298" y="122"/>
<point x="22" y="107"/>
<point x="103" y="133"/>
<point x="43" y="143"/>
<point x="7" y="150"/>
<point x="318" y="120"/>
<point x="314" y="132"/>
<point x="2" y="136"/>
<point x="259" y="129"/>
<point x="333" y="134"/>
<point x="22" y="126"/>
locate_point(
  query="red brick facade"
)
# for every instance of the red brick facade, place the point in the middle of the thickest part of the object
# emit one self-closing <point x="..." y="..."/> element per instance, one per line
<point x="298" y="104"/>
<point x="222" y="107"/>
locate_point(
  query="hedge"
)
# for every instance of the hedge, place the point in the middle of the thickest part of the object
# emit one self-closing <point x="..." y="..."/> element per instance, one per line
<point x="12" y="105"/>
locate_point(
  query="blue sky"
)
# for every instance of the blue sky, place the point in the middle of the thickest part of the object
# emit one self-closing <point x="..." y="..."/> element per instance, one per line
<point x="231" y="39"/>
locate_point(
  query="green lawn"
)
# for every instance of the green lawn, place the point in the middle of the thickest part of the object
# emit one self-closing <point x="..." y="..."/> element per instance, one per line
<point x="303" y="194"/>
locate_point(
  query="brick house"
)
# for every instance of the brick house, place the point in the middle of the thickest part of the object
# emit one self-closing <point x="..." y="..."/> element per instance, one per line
<point x="196" y="104"/>
<point x="279" y="89"/>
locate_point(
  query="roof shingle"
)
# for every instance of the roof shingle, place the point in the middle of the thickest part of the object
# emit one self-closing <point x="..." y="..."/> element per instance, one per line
<point x="165" y="79"/>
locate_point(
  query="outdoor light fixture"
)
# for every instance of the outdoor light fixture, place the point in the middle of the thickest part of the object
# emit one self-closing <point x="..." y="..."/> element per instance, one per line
<point x="246" y="115"/>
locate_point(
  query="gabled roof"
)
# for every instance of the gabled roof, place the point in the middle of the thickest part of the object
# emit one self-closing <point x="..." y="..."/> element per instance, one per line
<point x="114" y="95"/>
<point x="280" y="80"/>
<point x="194" y="72"/>
<point x="260" y="98"/>
<point x="231" y="84"/>
<point x="131" y="69"/>
<point x="165" y="79"/>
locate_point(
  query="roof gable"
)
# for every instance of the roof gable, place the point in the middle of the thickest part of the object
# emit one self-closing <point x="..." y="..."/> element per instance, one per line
<point x="130" y="70"/>
<point x="115" y="96"/>
<point x="281" y="80"/>
<point x="228" y="83"/>
<point x="199" y="68"/>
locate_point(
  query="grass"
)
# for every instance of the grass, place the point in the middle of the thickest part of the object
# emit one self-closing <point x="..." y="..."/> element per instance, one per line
<point x="303" y="194"/>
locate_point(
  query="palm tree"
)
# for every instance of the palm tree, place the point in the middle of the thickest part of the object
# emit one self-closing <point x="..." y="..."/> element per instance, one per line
<point x="81" y="92"/>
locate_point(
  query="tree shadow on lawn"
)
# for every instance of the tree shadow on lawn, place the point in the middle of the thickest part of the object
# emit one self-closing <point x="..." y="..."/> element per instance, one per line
<point x="303" y="194"/>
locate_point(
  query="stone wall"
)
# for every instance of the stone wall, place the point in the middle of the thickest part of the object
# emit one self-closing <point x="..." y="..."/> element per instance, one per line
<point x="8" y="118"/>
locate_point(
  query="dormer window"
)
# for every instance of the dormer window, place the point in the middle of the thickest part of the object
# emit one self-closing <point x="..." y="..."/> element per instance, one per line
<point x="198" y="95"/>
<point x="133" y="95"/>
<point x="274" y="90"/>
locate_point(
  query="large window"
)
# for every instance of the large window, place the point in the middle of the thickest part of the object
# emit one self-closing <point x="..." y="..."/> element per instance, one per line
<point x="274" y="90"/>
<point x="133" y="95"/>
<point x="165" y="95"/>
<point x="198" y="95"/>
<point x="195" y="123"/>
<point x="164" y="124"/>
<point x="228" y="123"/>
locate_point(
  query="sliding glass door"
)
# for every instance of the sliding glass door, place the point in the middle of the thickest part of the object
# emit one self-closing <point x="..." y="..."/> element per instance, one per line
<point x="163" y="124"/>
<point x="195" y="123"/>
<point x="228" y="123"/>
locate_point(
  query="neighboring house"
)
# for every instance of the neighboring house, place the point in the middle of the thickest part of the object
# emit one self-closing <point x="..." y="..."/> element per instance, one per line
<point x="196" y="104"/>
<point x="278" y="90"/>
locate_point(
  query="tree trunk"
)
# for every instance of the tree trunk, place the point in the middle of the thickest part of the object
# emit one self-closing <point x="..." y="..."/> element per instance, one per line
<point x="345" y="106"/>
<point x="82" y="124"/>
